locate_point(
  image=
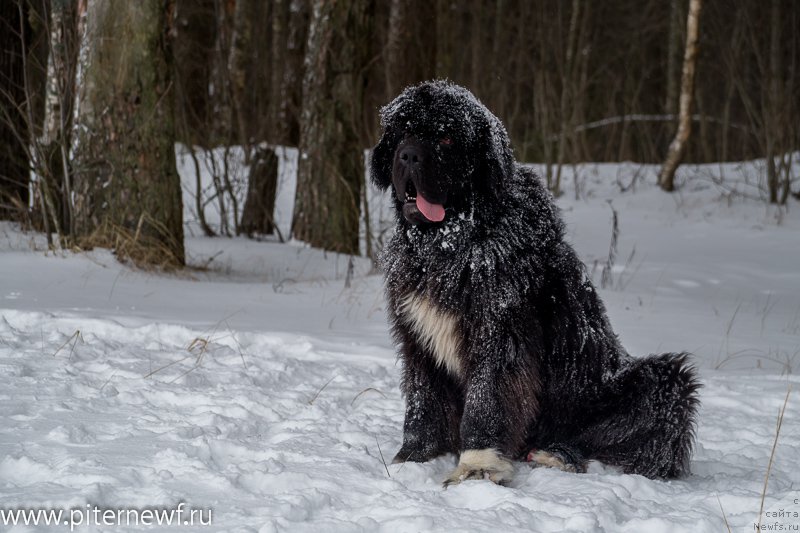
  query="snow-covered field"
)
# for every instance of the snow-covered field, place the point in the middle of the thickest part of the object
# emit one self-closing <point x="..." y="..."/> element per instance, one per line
<point x="262" y="388"/>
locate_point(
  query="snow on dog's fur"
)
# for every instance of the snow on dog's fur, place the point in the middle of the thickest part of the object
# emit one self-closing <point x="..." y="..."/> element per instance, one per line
<point x="505" y="344"/>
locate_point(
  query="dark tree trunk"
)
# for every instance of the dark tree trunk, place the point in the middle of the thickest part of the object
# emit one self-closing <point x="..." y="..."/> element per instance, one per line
<point x="774" y="100"/>
<point x="15" y="35"/>
<point x="127" y="189"/>
<point x="331" y="167"/>
<point x="476" y="39"/>
<point x="284" y="73"/>
<point x="259" y="206"/>
<point x="257" y="215"/>
<point x="239" y="65"/>
<point x="410" y="51"/>
<point x="278" y="69"/>
<point x="195" y="35"/>
<point x="289" y="106"/>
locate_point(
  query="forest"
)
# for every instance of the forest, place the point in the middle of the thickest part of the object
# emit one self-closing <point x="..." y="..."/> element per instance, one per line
<point x="228" y="301"/>
<point x="95" y="94"/>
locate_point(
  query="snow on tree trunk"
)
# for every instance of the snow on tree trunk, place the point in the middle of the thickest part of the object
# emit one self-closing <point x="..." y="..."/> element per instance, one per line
<point x="678" y="146"/>
<point x="331" y="166"/>
<point x="127" y="193"/>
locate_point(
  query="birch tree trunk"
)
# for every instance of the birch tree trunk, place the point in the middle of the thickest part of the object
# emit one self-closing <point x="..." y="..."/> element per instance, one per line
<point x="127" y="191"/>
<point x="331" y="166"/>
<point x="55" y="140"/>
<point x="678" y="146"/>
<point x="673" y="49"/>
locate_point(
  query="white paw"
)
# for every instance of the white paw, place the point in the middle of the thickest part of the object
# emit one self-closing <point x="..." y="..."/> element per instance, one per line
<point x="481" y="464"/>
<point x="547" y="459"/>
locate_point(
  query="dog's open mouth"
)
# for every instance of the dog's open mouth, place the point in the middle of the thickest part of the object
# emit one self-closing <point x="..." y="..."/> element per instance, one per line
<point x="417" y="209"/>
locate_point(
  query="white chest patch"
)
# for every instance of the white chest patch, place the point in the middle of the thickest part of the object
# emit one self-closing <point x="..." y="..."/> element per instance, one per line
<point x="435" y="329"/>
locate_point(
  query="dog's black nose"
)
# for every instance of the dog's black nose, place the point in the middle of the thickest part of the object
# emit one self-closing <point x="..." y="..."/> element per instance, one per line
<point x="410" y="155"/>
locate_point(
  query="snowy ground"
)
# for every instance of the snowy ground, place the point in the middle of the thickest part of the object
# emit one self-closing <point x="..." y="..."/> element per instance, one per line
<point x="264" y="389"/>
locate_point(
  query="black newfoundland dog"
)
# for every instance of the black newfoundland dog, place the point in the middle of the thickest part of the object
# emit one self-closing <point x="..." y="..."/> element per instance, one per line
<point x="507" y="352"/>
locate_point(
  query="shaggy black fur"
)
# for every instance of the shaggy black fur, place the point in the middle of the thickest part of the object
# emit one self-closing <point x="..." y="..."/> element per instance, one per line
<point x="537" y="363"/>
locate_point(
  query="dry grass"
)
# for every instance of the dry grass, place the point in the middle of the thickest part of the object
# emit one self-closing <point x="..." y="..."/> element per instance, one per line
<point x="606" y="275"/>
<point x="772" y="457"/>
<point x="312" y="400"/>
<point x="74" y="338"/>
<point x="783" y="359"/>
<point x="150" y="246"/>
<point x="724" y="516"/>
<point x="14" y="209"/>
<point x="197" y="348"/>
<point x="241" y="353"/>
<point x="368" y="389"/>
<point x="385" y="466"/>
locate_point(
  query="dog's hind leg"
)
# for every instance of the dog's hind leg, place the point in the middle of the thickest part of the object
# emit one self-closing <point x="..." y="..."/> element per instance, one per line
<point x="645" y="423"/>
<point x="558" y="457"/>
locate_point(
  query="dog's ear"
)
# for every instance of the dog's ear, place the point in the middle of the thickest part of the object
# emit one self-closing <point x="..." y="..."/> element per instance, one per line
<point x="495" y="155"/>
<point x="380" y="162"/>
<point x="382" y="156"/>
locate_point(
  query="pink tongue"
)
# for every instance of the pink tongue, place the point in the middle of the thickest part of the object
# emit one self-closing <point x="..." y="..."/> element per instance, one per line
<point x="433" y="212"/>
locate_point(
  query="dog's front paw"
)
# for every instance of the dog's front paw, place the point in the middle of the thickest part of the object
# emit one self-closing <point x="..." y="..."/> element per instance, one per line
<point x="481" y="464"/>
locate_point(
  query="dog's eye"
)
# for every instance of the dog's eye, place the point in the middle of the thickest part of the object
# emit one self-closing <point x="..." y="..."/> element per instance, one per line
<point x="445" y="141"/>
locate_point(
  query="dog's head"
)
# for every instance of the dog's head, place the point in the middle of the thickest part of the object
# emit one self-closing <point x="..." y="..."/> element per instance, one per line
<point x="442" y="152"/>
